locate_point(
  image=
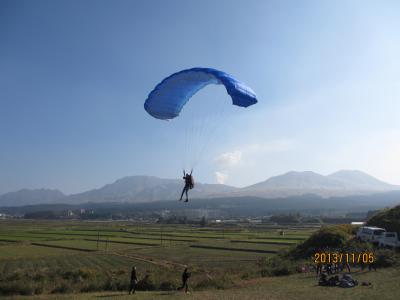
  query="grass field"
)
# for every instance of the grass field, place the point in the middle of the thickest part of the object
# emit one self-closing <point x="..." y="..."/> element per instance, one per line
<point x="63" y="257"/>
<point x="84" y="256"/>
<point x="384" y="287"/>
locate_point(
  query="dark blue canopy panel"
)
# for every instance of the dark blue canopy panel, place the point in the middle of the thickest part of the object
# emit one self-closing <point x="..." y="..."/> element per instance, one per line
<point x="170" y="95"/>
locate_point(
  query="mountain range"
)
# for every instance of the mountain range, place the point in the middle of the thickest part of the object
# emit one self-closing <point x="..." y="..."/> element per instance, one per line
<point x="137" y="189"/>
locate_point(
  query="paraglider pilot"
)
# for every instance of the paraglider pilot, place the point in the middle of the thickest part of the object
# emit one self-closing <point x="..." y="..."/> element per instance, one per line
<point x="189" y="184"/>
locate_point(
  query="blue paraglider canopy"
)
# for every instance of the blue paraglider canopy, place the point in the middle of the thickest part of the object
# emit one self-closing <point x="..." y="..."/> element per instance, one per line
<point x="170" y="95"/>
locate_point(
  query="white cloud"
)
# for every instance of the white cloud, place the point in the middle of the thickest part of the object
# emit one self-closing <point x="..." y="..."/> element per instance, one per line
<point x="229" y="159"/>
<point x="240" y="165"/>
<point x="221" y="177"/>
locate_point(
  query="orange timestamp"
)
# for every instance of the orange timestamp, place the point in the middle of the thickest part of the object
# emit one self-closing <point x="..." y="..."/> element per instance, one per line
<point x="346" y="257"/>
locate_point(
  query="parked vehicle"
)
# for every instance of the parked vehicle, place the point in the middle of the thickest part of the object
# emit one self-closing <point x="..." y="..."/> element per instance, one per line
<point x="370" y="234"/>
<point x="389" y="239"/>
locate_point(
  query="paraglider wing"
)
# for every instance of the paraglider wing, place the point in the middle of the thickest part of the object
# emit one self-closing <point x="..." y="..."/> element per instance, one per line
<point x="168" y="97"/>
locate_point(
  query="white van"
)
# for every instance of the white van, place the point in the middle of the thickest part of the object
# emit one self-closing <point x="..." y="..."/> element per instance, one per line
<point x="370" y="234"/>
<point x="389" y="239"/>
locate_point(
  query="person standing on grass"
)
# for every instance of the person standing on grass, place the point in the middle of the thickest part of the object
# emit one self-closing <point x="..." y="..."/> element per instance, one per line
<point x="318" y="268"/>
<point x="185" y="277"/>
<point x="132" y="288"/>
<point x="347" y="265"/>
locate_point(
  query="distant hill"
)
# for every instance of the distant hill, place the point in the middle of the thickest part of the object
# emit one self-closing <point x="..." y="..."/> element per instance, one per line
<point x="31" y="197"/>
<point x="229" y="206"/>
<point x="341" y="183"/>
<point x="297" y="181"/>
<point x="146" y="189"/>
<point x="135" y="189"/>
<point x="354" y="179"/>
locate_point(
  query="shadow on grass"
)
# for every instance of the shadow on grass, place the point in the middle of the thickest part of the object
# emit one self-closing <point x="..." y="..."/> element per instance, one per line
<point x="168" y="293"/>
<point x="113" y="295"/>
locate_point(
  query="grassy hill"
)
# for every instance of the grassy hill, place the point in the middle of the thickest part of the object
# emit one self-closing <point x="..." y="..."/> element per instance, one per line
<point x="388" y="219"/>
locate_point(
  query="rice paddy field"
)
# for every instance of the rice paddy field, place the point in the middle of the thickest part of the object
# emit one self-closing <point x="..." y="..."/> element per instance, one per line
<point x="92" y="260"/>
<point x="44" y="257"/>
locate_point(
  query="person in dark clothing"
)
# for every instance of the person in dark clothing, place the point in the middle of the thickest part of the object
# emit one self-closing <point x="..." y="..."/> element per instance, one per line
<point x="336" y="268"/>
<point x="319" y="269"/>
<point x="185" y="277"/>
<point x="323" y="279"/>
<point x="347" y="265"/>
<point x="189" y="184"/>
<point x="329" y="269"/>
<point x="372" y="266"/>
<point x="132" y="288"/>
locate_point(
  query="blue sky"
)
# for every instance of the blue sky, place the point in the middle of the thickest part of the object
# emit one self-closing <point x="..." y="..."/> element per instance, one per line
<point x="74" y="76"/>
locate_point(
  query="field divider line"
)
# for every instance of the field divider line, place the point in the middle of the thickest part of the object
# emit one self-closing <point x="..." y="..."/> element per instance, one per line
<point x="233" y="249"/>
<point x="121" y="242"/>
<point x="162" y="263"/>
<point x="280" y="238"/>
<point x="175" y="235"/>
<point x="62" y="247"/>
<point x="157" y="239"/>
<point x="11" y="241"/>
<point x="263" y="242"/>
<point x="68" y="234"/>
